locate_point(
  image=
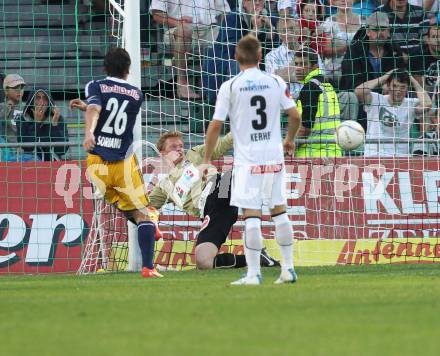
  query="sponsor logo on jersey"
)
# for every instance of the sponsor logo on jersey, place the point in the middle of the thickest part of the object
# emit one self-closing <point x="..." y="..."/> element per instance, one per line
<point x="252" y="86"/>
<point x="388" y="118"/>
<point x="119" y="90"/>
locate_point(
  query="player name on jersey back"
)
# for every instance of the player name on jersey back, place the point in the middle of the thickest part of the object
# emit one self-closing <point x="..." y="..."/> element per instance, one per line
<point x="109" y="142"/>
<point x="120" y="103"/>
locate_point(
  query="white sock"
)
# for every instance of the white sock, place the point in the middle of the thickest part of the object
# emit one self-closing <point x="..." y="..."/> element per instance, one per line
<point x="253" y="243"/>
<point x="284" y="237"/>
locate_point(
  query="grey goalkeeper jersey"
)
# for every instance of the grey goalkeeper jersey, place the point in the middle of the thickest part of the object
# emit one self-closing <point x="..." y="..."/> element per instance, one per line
<point x="168" y="188"/>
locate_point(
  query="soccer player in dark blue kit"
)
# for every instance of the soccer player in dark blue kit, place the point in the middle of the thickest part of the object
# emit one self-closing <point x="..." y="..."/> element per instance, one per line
<point x="110" y="114"/>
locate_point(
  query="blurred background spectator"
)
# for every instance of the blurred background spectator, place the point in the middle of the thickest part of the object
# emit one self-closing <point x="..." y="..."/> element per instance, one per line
<point x="220" y="63"/>
<point x="10" y="110"/>
<point x="279" y="61"/>
<point x="370" y="55"/>
<point x="188" y="24"/>
<point x="391" y="116"/>
<point x="41" y="121"/>
<point x="408" y="23"/>
<point x="425" y="62"/>
<point x="340" y="29"/>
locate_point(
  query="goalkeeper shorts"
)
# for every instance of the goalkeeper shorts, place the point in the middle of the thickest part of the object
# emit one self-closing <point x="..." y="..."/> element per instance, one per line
<point x="219" y="215"/>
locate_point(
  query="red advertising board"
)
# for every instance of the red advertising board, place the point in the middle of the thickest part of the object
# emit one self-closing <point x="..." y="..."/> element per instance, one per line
<point x="45" y="213"/>
<point x="46" y="208"/>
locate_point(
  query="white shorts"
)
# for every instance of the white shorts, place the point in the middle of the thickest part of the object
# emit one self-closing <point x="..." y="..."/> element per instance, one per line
<point x="255" y="186"/>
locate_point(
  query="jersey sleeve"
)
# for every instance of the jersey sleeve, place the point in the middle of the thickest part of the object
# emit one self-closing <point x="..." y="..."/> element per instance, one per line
<point x="222" y="103"/>
<point x="93" y="93"/>
<point x="286" y="99"/>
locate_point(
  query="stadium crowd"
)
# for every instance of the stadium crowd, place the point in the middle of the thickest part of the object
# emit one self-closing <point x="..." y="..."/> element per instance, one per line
<point x="379" y="58"/>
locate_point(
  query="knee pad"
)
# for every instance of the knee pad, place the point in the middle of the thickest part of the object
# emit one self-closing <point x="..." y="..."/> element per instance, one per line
<point x="252" y="237"/>
<point x="283" y="230"/>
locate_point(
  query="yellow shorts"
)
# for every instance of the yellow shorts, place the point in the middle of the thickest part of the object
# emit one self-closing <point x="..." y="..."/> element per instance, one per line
<point x="119" y="182"/>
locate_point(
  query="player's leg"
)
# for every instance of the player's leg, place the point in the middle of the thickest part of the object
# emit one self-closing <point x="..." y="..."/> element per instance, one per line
<point x="253" y="240"/>
<point x="284" y="237"/>
<point x="283" y="229"/>
<point x="215" y="229"/>
<point x="253" y="244"/>
<point x="219" y="217"/>
<point x="246" y="193"/>
<point x="134" y="202"/>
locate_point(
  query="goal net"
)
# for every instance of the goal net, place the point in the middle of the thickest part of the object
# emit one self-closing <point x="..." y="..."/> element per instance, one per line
<point x="377" y="204"/>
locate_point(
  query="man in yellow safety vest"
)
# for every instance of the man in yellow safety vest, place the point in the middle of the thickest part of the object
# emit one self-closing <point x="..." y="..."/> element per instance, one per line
<point x="319" y="108"/>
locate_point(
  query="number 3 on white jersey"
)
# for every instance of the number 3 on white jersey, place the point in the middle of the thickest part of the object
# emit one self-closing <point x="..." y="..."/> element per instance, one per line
<point x="118" y="114"/>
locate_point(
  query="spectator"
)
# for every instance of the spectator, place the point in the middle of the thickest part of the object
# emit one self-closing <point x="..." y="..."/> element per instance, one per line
<point x="318" y="106"/>
<point x="187" y="22"/>
<point x="426" y="62"/>
<point x="2" y="94"/>
<point x="369" y="56"/>
<point x="10" y="109"/>
<point x="220" y="64"/>
<point x="311" y="14"/>
<point x="41" y="121"/>
<point x="408" y="23"/>
<point x="340" y="29"/>
<point x="391" y="116"/>
<point x="287" y="9"/>
<point x="279" y="59"/>
<point x="430" y="6"/>
<point x="364" y="8"/>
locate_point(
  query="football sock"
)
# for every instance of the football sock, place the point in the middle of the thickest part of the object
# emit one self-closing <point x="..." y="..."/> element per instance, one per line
<point x="284" y="237"/>
<point x="146" y="235"/>
<point x="253" y="243"/>
<point x="229" y="260"/>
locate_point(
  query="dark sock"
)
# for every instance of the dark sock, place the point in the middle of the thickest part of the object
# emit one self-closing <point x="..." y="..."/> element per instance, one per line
<point x="229" y="260"/>
<point x="240" y="261"/>
<point x="146" y="232"/>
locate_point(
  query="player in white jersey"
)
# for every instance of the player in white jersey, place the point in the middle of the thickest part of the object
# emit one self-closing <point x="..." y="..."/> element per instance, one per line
<point x="252" y="100"/>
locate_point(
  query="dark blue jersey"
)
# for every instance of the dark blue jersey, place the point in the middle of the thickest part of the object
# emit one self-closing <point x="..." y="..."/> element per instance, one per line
<point x="120" y="103"/>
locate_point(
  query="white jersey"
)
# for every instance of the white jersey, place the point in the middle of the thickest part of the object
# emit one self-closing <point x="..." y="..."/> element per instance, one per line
<point x="252" y="100"/>
<point x="389" y="122"/>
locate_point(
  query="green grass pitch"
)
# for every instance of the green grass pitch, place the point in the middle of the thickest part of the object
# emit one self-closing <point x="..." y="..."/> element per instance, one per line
<point x="350" y="310"/>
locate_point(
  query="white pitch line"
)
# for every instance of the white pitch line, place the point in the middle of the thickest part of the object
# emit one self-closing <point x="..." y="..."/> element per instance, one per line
<point x="403" y="222"/>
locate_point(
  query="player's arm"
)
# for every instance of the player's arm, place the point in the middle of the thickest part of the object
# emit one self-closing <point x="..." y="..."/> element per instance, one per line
<point x="293" y="125"/>
<point x="224" y="144"/>
<point x="77" y="104"/>
<point x="93" y="109"/>
<point x="216" y="125"/>
<point x="92" y="116"/>
<point x="214" y="129"/>
<point x="157" y="197"/>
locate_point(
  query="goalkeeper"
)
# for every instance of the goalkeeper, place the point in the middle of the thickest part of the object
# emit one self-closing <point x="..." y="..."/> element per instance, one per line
<point x="208" y="198"/>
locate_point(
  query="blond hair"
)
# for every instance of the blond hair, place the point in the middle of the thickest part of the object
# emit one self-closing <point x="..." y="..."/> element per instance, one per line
<point x="248" y="49"/>
<point x="164" y="137"/>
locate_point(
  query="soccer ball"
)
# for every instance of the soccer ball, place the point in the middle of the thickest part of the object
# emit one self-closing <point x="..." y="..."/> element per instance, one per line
<point x="350" y="135"/>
